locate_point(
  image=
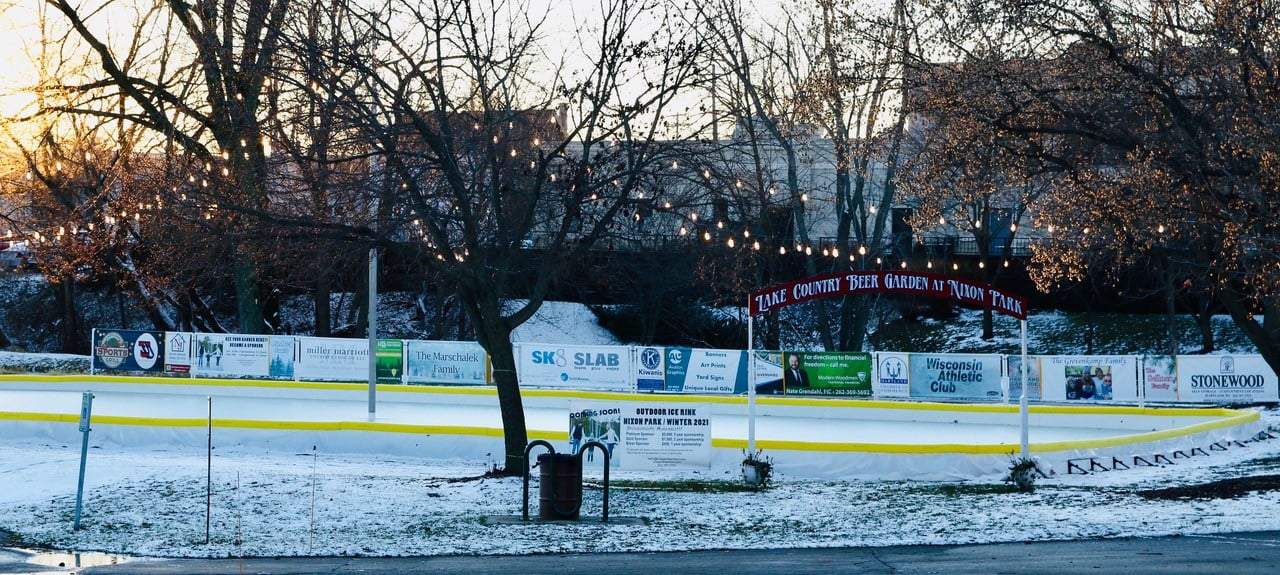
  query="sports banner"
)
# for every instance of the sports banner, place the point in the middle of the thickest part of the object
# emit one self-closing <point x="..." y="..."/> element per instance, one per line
<point x="284" y="354"/>
<point x="891" y="375"/>
<point x="601" y="367"/>
<point x="333" y="359"/>
<point x="1013" y="369"/>
<point x="1225" y="379"/>
<point x="826" y="373"/>
<point x="177" y="351"/>
<point x="457" y="362"/>
<point x="955" y="376"/>
<point x="643" y="435"/>
<point x="128" y="350"/>
<point x="230" y="355"/>
<point x="650" y="368"/>
<point x="691" y="370"/>
<point x="1159" y="378"/>
<point x="390" y="360"/>
<point x="1089" y="377"/>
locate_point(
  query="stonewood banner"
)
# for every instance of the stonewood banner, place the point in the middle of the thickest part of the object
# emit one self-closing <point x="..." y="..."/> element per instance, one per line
<point x="923" y="284"/>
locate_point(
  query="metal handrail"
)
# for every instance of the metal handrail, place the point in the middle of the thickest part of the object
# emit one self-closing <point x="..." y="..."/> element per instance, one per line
<point x="524" y="513"/>
<point x="604" y="514"/>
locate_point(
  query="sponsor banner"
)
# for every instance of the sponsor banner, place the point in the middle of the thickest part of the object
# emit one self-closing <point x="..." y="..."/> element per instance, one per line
<point x="1089" y="377"/>
<point x="826" y="373"/>
<point x="283" y="355"/>
<point x="230" y="355"/>
<point x="1035" y="388"/>
<point x="1159" y="378"/>
<point x="390" y="361"/>
<point x="604" y="367"/>
<point x="650" y="365"/>
<point x="456" y="362"/>
<point x="706" y="370"/>
<point x="643" y="435"/>
<point x="955" y="376"/>
<point x="1225" y="379"/>
<point x="332" y="358"/>
<point x="891" y="375"/>
<point x="128" y="350"/>
<point x="177" y="351"/>
<point x="766" y="372"/>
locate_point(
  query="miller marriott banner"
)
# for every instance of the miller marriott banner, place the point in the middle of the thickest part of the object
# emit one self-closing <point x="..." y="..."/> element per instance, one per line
<point x="923" y="284"/>
<point x="1225" y="379"/>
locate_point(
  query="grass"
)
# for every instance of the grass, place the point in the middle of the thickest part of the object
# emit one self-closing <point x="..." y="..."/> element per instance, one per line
<point x="965" y="489"/>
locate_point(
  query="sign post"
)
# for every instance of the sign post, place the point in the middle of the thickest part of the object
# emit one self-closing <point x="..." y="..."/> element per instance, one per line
<point x="1024" y="430"/>
<point x="373" y="332"/>
<point x="751" y="380"/>
<point x="86" y="410"/>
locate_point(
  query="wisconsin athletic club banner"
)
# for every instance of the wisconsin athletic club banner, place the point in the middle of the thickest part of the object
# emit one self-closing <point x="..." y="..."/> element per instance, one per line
<point x="126" y="350"/>
<point x="955" y="376"/>
<point x="922" y="284"/>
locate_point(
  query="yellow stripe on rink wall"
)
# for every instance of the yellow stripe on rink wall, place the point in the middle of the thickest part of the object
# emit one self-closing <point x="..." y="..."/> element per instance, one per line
<point x="1239" y="418"/>
<point x="904" y="404"/>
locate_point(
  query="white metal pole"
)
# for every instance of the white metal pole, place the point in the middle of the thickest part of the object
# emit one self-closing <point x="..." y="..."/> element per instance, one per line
<point x="751" y="380"/>
<point x="208" y="473"/>
<point x="93" y="341"/>
<point x="1022" y="399"/>
<point x="373" y="332"/>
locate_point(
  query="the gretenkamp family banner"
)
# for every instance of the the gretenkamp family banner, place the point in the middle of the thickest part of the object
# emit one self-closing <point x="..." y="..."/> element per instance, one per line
<point x="956" y="376"/>
<point x="1088" y="377"/>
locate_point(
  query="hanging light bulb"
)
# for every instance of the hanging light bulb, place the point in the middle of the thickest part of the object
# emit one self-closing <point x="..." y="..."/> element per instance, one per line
<point x="1050" y="228"/>
<point x="878" y="262"/>
<point x="1013" y="227"/>
<point x="1006" y="263"/>
<point x="804" y="197"/>
<point x="782" y="250"/>
<point x="720" y="225"/>
<point x="835" y="252"/>
<point x="746" y="233"/>
<point x="982" y="265"/>
<point x="904" y="265"/>
<point x="808" y="250"/>
<point x="826" y="252"/>
<point x="929" y="265"/>
<point x="683" y="231"/>
<point x="706" y="236"/>
<point x="694" y="216"/>
<point x="1160" y="229"/>
<point x="872" y="209"/>
<point x="955" y="266"/>
<point x="977" y="224"/>
<point x="862" y="250"/>
<point x="1086" y="230"/>
<point x="755" y="245"/>
<point x="942" y="221"/>
<point x="730" y="242"/>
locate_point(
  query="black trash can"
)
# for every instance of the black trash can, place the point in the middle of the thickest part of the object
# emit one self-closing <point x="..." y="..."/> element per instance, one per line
<point x="560" y="488"/>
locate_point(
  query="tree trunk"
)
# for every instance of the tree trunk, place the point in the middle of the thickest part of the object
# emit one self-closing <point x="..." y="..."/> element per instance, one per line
<point x="248" y="300"/>
<point x="1204" y="320"/>
<point x="323" y="306"/>
<point x="70" y="337"/>
<point x="1170" y="318"/>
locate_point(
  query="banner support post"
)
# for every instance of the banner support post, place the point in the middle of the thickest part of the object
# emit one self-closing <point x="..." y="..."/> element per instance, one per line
<point x="373" y="332"/>
<point x="93" y="339"/>
<point x="1024" y="423"/>
<point x="751" y="380"/>
<point x="86" y="415"/>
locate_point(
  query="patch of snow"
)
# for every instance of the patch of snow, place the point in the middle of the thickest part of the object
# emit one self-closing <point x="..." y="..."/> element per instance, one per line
<point x="19" y="362"/>
<point x="562" y="322"/>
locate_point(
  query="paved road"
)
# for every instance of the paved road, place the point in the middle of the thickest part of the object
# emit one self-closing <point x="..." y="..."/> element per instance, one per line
<point x="1237" y="553"/>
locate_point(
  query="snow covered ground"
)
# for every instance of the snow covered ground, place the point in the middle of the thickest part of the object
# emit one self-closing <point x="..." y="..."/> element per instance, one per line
<point x="151" y="502"/>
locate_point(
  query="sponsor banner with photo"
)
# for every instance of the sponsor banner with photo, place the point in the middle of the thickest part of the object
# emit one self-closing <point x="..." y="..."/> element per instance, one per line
<point x="1225" y="379"/>
<point x="230" y="355"/>
<point x="453" y="362"/>
<point x="766" y="371"/>
<point x="955" y="376"/>
<point x="643" y="435"/>
<point x="128" y="350"/>
<point x="389" y="362"/>
<point x="826" y="373"/>
<point x="177" y="351"/>
<point x="333" y="359"/>
<point x="650" y="366"/>
<point x="1089" y="377"/>
<point x="1159" y="378"/>
<point x="691" y="370"/>
<point x="1013" y="370"/>
<point x="284" y="354"/>
<point x="891" y="375"/>
<point x="602" y="367"/>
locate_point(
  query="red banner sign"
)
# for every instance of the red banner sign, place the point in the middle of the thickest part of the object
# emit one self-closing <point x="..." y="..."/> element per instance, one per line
<point x="880" y="281"/>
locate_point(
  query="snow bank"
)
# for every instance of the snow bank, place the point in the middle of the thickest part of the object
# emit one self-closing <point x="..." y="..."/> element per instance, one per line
<point x="17" y="362"/>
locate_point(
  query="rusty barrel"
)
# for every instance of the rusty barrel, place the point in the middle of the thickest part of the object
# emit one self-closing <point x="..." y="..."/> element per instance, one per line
<point x="560" y="488"/>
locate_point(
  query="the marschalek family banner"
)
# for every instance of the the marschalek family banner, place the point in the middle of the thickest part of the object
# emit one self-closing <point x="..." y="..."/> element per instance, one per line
<point x="455" y="362"/>
<point x="923" y="284"/>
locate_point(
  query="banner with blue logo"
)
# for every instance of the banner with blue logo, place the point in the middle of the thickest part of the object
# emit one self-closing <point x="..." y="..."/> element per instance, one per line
<point x="691" y="370"/>
<point x="891" y="374"/>
<point x="128" y="350"/>
<point x="602" y="367"/>
<point x="955" y="376"/>
<point x="651" y="374"/>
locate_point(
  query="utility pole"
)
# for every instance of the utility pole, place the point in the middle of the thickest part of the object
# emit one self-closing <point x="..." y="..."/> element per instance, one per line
<point x="373" y="332"/>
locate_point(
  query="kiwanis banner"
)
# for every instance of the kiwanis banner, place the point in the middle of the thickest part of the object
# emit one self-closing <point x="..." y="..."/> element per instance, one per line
<point x="603" y="367"/>
<point x="128" y="350"/>
<point x="1225" y="379"/>
<point x="891" y="375"/>
<point x="955" y="376"/>
<point x="643" y="435"/>
<point x="455" y="362"/>
<point x="334" y="359"/>
<point x="690" y="370"/>
<point x="1089" y="377"/>
<point x="230" y="355"/>
<point x="1159" y="378"/>
<point x="826" y="373"/>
